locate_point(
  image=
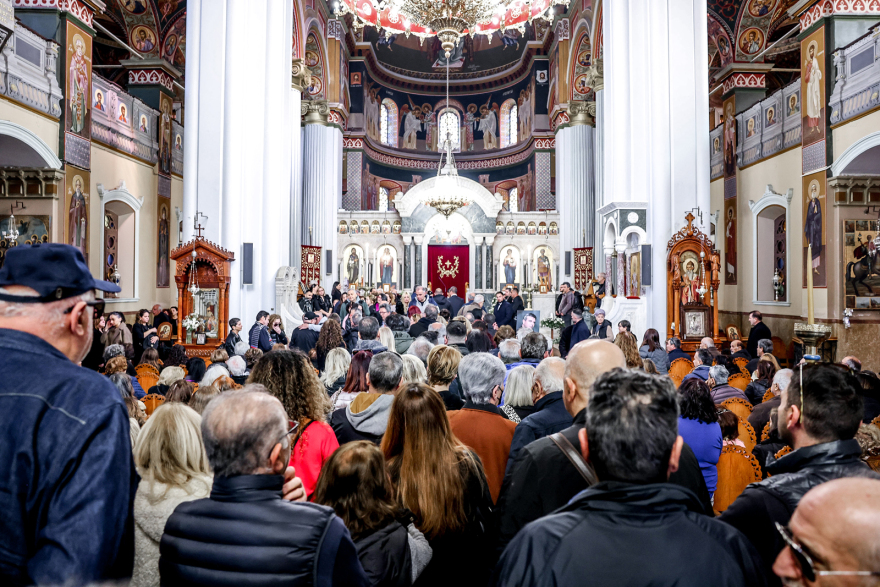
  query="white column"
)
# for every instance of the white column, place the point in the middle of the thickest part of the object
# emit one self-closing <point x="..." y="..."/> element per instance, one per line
<point x="237" y="155"/>
<point x="575" y="190"/>
<point x="322" y="181"/>
<point x="599" y="171"/>
<point x="300" y="77"/>
<point x="656" y="107"/>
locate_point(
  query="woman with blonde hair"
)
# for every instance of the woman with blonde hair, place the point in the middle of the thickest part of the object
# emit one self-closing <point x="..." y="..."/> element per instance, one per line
<point x="627" y="343"/>
<point x="413" y="370"/>
<point x="201" y="397"/>
<point x="170" y="458"/>
<point x="518" y="401"/>
<point x="442" y="483"/>
<point x="442" y="370"/>
<point x="335" y="370"/>
<point x="771" y="359"/>
<point x="402" y="304"/>
<point x="386" y="337"/>
<point x="289" y="376"/>
<point x="219" y="356"/>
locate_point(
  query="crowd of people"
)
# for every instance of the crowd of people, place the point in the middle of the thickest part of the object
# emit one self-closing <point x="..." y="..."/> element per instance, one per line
<point x="414" y="440"/>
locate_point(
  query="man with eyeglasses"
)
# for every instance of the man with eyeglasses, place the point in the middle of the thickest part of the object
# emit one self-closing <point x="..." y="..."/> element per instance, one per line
<point x="832" y="538"/>
<point x="68" y="480"/>
<point x="250" y="531"/>
<point x="819" y="414"/>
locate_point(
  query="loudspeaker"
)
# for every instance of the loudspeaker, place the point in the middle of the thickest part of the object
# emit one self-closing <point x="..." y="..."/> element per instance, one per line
<point x="647" y="264"/>
<point x="328" y="261"/>
<point x="247" y="263"/>
<point x="568" y="262"/>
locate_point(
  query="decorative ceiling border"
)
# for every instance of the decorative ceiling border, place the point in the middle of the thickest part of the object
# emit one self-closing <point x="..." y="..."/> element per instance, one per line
<point x="826" y="8"/>
<point x="744" y="80"/>
<point x="77" y="8"/>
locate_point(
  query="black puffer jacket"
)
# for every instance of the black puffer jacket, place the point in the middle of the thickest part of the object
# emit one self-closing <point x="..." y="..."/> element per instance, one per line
<point x="756" y="389"/>
<point x="245" y="534"/>
<point x="625" y="534"/>
<point x="386" y="557"/>
<point x="775" y="498"/>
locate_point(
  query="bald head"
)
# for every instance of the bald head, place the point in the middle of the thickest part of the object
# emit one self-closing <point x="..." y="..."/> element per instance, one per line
<point x="707" y="343"/>
<point x="240" y="429"/>
<point x="585" y="362"/>
<point x="836" y="522"/>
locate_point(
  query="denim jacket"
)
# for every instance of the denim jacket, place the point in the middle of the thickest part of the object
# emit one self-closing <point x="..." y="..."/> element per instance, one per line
<point x="68" y="480"/>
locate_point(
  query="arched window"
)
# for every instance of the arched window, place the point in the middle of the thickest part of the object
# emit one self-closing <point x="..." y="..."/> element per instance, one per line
<point x="388" y="122"/>
<point x="449" y="122"/>
<point x="509" y="123"/>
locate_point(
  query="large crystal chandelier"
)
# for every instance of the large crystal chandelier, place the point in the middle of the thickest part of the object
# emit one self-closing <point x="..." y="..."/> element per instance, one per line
<point x="448" y="20"/>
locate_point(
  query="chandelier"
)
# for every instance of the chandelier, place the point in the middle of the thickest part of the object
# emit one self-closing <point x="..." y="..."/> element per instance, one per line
<point x="448" y="20"/>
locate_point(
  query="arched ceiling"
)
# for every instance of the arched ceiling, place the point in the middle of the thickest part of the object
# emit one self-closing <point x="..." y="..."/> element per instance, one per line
<point x="155" y="28"/>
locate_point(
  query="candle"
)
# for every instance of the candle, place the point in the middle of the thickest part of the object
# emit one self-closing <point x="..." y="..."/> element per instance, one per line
<point x="809" y="268"/>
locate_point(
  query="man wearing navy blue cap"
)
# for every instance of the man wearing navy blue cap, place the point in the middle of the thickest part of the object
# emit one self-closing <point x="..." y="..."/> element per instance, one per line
<point x="68" y="480"/>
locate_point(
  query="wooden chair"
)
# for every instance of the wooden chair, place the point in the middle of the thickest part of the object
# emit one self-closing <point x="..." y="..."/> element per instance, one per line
<point x="145" y="369"/>
<point x="873" y="462"/>
<point x="207" y="363"/>
<point x="780" y="351"/>
<point x="765" y="433"/>
<point x="782" y="452"/>
<point x="876" y="421"/>
<point x="148" y="380"/>
<point x="152" y="401"/>
<point x="768" y="396"/>
<point x="747" y="435"/>
<point x="742" y="363"/>
<point x="739" y="381"/>
<point x="738" y="406"/>
<point x="679" y="368"/>
<point x="736" y="470"/>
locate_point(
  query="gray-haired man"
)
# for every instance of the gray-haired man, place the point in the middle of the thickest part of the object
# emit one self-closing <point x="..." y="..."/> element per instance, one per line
<point x="248" y="445"/>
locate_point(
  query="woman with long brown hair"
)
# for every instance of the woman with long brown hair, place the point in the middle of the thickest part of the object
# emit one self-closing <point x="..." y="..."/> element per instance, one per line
<point x="329" y="338"/>
<point x="355" y="381"/>
<point x="627" y="344"/>
<point x="764" y="379"/>
<point x="653" y="350"/>
<point x="289" y="376"/>
<point x="443" y="484"/>
<point x="151" y="357"/>
<point x="355" y="483"/>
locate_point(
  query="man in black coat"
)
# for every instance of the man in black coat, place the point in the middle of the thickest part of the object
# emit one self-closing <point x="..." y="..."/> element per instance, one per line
<point x="440" y="299"/>
<point x="543" y="479"/>
<point x="503" y="312"/>
<point x="673" y="350"/>
<point x="453" y="302"/>
<point x="431" y="313"/>
<point x="633" y="527"/>
<point x="759" y="331"/>
<point x="303" y="540"/>
<point x="516" y="306"/>
<point x="765" y="347"/>
<point x="234" y="336"/>
<point x="304" y="338"/>
<point x="819" y="419"/>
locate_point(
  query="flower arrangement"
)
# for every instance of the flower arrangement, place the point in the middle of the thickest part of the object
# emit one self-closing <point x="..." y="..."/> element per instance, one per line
<point x="553" y="323"/>
<point x="191" y="322"/>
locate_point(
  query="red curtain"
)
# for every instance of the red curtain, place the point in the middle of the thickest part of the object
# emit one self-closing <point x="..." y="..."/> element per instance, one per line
<point x="448" y="265"/>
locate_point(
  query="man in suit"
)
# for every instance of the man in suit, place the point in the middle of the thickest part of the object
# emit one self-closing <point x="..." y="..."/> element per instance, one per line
<point x="580" y="330"/>
<point x="567" y="303"/>
<point x="516" y="304"/>
<point x="453" y="302"/>
<point x="758" y="332"/>
<point x="673" y="348"/>
<point x="738" y="352"/>
<point x="503" y="312"/>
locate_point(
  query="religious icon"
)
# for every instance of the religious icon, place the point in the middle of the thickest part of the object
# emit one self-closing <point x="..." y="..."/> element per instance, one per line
<point x="135" y="6"/>
<point x="374" y="228"/>
<point x="723" y="45"/>
<point x="690" y="279"/>
<point x="412" y="124"/>
<point x="554" y="229"/>
<point x="510" y="228"/>
<point x="178" y="143"/>
<point x="343" y="227"/>
<point x="386" y="227"/>
<point x="759" y="8"/>
<point x="716" y="145"/>
<point x="750" y="125"/>
<point x="143" y="125"/>
<point x="793" y="107"/>
<point x="353" y="266"/>
<point x="542" y="229"/>
<point x="316" y="86"/>
<point x="78" y="85"/>
<point x="813" y="225"/>
<point x="499" y="227"/>
<point x="489" y="124"/>
<point x="77" y="215"/>
<point x="123" y="117"/>
<point x="386" y="265"/>
<point x="521" y="228"/>
<point x="311" y="58"/>
<point x="395" y="228"/>
<point x="813" y="77"/>
<point x="99" y="101"/>
<point x="355" y="78"/>
<point x="730" y="252"/>
<point x="729" y="139"/>
<point x="580" y="85"/>
<point x="771" y="116"/>
<point x="584" y="59"/>
<point x="532" y="229"/>
<point x="165" y="134"/>
<point x="543" y="265"/>
<point x="635" y="275"/>
<point x="144" y="39"/>
<point x="163" y="263"/>
<point x="510" y="267"/>
<point x="751" y="41"/>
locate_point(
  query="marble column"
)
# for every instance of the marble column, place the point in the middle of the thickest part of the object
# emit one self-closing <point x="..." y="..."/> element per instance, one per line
<point x="478" y="270"/>
<point x="656" y="112"/>
<point x="575" y="182"/>
<point x="490" y="269"/>
<point x="620" y="286"/>
<point x="237" y="152"/>
<point x="299" y="80"/>
<point x="408" y="262"/>
<point x="322" y="178"/>
<point x="421" y="278"/>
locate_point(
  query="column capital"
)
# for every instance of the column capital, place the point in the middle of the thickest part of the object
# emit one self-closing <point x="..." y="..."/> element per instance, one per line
<point x="596" y="75"/>
<point x="315" y="112"/>
<point x="581" y="113"/>
<point x="300" y="76"/>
